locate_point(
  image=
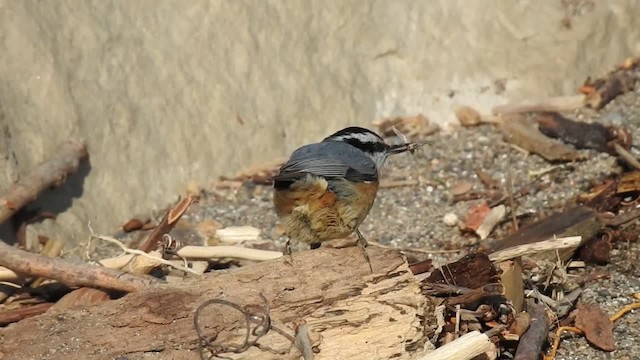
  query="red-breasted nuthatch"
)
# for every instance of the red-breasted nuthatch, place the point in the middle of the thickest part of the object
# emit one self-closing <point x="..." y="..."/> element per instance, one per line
<point x="325" y="190"/>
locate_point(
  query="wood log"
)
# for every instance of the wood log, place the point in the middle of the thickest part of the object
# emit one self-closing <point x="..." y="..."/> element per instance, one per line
<point x="350" y="312"/>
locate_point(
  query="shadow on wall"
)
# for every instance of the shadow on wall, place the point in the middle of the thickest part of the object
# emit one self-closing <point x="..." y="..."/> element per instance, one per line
<point x="50" y="203"/>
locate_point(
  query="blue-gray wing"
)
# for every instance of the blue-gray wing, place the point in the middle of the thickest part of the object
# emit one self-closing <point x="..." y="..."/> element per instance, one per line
<point x="329" y="160"/>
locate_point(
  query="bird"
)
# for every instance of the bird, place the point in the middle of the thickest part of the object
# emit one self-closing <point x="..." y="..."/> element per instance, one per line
<point x="326" y="189"/>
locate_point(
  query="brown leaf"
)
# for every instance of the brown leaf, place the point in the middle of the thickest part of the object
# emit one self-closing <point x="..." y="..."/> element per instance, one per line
<point x="597" y="327"/>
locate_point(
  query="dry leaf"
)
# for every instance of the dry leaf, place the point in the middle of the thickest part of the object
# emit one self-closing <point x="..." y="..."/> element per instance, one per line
<point x="597" y="327"/>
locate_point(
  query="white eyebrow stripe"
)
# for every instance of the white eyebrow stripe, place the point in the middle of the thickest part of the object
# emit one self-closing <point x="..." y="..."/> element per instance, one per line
<point x="362" y="137"/>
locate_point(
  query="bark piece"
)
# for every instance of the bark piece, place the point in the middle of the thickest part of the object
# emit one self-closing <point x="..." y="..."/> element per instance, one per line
<point x="472" y="271"/>
<point x="597" y="250"/>
<point x="522" y="132"/>
<point x="359" y="315"/>
<point x="597" y="327"/>
<point x="511" y="279"/>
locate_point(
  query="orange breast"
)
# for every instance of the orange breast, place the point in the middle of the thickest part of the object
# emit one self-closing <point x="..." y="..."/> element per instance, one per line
<point x="311" y="212"/>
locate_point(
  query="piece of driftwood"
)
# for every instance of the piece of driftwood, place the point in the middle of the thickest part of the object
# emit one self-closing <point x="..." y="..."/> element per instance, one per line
<point x="51" y="173"/>
<point x="522" y="132"/>
<point x="70" y="273"/>
<point x="583" y="135"/>
<point x="531" y="342"/>
<point x="350" y="313"/>
<point x="561" y="103"/>
<point x="545" y="247"/>
<point x="575" y="221"/>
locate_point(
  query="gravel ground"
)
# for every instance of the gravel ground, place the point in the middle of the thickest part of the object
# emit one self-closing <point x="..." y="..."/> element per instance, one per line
<point x="411" y="217"/>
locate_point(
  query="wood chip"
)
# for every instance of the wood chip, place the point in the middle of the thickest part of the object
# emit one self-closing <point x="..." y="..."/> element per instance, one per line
<point x="238" y="234"/>
<point x="490" y="221"/>
<point x="521" y="323"/>
<point x="597" y="327"/>
<point x="511" y="279"/>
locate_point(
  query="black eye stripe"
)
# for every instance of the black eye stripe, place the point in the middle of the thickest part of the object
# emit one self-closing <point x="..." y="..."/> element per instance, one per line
<point x="369" y="147"/>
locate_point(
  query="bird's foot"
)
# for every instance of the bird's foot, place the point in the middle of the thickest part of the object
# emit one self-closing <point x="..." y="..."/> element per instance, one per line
<point x="362" y="244"/>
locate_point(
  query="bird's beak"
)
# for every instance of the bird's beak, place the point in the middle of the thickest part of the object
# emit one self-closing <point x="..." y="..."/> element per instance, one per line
<point x="400" y="148"/>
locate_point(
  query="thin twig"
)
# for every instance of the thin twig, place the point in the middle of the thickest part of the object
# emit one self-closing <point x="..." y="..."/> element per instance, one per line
<point x="167" y="223"/>
<point x="512" y="201"/>
<point x="70" y="273"/>
<point x="51" y="173"/>
<point x="532" y="340"/>
<point x="203" y="252"/>
<point x="143" y="254"/>
<point x="627" y="156"/>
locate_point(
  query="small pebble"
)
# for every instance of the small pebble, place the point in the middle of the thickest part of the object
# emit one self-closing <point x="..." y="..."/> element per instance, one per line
<point x="450" y="219"/>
